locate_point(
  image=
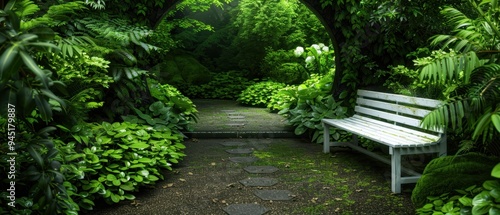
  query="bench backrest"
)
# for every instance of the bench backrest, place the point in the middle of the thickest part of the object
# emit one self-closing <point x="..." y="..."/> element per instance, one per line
<point x="400" y="109"/>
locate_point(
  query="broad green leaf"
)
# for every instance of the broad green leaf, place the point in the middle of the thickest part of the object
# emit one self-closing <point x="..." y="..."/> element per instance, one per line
<point x="494" y="211"/>
<point x="496" y="171"/>
<point x="43" y="107"/>
<point x="495" y="118"/>
<point x="51" y="95"/>
<point x="115" y="198"/>
<point x="139" y="145"/>
<point x="30" y="63"/>
<point x="111" y="177"/>
<point x="491" y="184"/>
<point x="35" y="155"/>
<point x="6" y="60"/>
<point x="143" y="172"/>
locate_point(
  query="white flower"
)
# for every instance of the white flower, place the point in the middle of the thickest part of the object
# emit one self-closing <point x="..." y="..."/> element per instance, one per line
<point x="298" y="51"/>
<point x="325" y="49"/>
<point x="309" y="59"/>
<point x="321" y="45"/>
<point x="315" y="46"/>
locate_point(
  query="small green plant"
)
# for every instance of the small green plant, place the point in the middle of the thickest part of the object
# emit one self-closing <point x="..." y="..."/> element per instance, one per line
<point x="260" y="93"/>
<point x="306" y="117"/>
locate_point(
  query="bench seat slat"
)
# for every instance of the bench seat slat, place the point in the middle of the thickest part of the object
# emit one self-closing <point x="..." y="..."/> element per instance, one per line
<point x="390" y="125"/>
<point x="375" y="135"/>
<point x="393" y="136"/>
<point x="394" y="130"/>
<point x="380" y="136"/>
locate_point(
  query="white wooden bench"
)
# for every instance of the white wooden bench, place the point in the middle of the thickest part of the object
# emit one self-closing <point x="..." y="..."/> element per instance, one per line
<point x="392" y="120"/>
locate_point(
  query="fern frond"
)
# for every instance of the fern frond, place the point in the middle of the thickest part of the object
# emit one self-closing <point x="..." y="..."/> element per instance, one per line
<point x="56" y="15"/>
<point x="468" y="33"/>
<point x="74" y="45"/>
<point x="25" y="8"/>
<point x="452" y="113"/>
<point x="451" y="68"/>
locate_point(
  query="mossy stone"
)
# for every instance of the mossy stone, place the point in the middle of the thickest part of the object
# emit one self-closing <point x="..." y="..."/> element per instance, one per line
<point x="446" y="174"/>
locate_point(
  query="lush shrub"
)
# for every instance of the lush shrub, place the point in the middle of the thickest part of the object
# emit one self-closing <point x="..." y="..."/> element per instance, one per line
<point x="180" y="106"/>
<point x="282" y="98"/>
<point x="309" y="103"/>
<point x="445" y="174"/>
<point x="226" y="85"/>
<point x="282" y="66"/>
<point x="260" y="93"/>
<point x="116" y="160"/>
<point x="470" y="201"/>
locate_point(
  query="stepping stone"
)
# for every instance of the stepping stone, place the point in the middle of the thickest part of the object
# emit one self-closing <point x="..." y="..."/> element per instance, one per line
<point x="236" y="117"/>
<point x="238" y="120"/>
<point x="233" y="144"/>
<point x="275" y="195"/>
<point x="236" y="124"/>
<point x="240" y="151"/>
<point x="259" y="182"/>
<point x="245" y="209"/>
<point x="261" y="169"/>
<point x="233" y="113"/>
<point x="228" y="111"/>
<point x="243" y="159"/>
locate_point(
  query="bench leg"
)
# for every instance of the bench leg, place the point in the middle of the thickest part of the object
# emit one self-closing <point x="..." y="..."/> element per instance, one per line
<point x="326" y="138"/>
<point x="395" y="170"/>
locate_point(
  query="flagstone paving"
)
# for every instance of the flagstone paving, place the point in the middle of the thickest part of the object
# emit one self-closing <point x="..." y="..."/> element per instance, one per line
<point x="243" y="159"/>
<point x="228" y="119"/>
<point x="245" y="209"/>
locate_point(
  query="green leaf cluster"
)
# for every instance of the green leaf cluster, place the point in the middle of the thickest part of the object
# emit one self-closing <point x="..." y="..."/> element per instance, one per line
<point x="115" y="160"/>
<point x="260" y="93"/>
<point x="473" y="200"/>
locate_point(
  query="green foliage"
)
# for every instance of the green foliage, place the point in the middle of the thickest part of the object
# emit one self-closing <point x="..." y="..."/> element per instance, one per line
<point x="260" y="93"/>
<point x="172" y="97"/>
<point x="282" y="98"/>
<point x="120" y="158"/>
<point x="472" y="72"/>
<point x="262" y="26"/>
<point x="473" y="200"/>
<point x="310" y="102"/>
<point x="281" y="66"/>
<point x="458" y="204"/>
<point x="307" y="116"/>
<point x="446" y="174"/>
<point x="226" y="85"/>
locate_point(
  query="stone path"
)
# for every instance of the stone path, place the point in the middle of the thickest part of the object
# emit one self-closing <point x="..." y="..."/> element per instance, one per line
<point x="263" y="185"/>
<point x="228" y="119"/>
